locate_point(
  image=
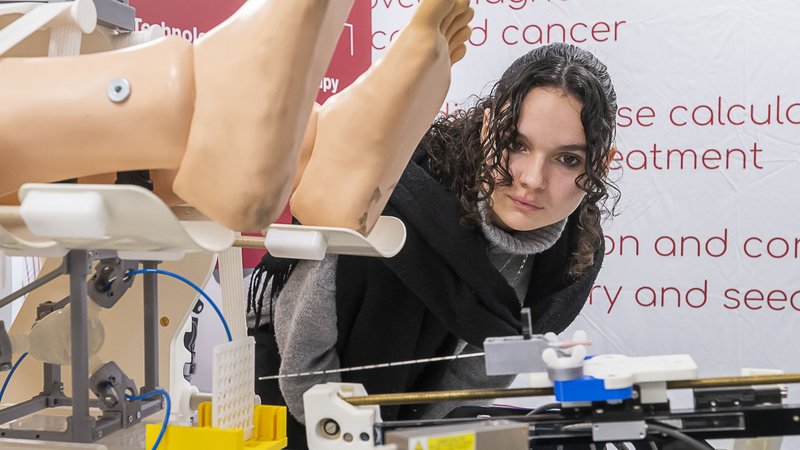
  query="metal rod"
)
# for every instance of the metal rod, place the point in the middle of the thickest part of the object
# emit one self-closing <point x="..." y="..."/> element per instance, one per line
<point x="255" y="242"/>
<point x="41" y="281"/>
<point x="411" y="398"/>
<point x="197" y="398"/>
<point x="150" y="327"/>
<point x="78" y="263"/>
<point x="10" y="216"/>
<point x="788" y="378"/>
<point x="51" y="377"/>
<point x="23" y="409"/>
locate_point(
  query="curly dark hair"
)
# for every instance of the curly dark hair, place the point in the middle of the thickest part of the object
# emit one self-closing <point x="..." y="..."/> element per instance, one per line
<point x="460" y="159"/>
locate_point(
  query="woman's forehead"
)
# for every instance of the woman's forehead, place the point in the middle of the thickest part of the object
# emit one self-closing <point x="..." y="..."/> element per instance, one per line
<point x="551" y="117"/>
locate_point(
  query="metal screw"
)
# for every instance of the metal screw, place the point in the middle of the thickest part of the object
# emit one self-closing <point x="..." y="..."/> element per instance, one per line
<point x="736" y="402"/>
<point x="348" y="437"/>
<point x="796" y="418"/>
<point x="330" y="427"/>
<point x="119" y="90"/>
<point x="599" y="411"/>
<point x="364" y="437"/>
<point x="164" y="321"/>
<point x="713" y="404"/>
<point x="635" y="395"/>
<point x="130" y="419"/>
<point x="138" y="414"/>
<point x="99" y="433"/>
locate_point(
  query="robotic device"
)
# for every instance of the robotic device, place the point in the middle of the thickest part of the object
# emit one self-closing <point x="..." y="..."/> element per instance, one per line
<point x="608" y="399"/>
<point x="67" y="221"/>
<point x="136" y="232"/>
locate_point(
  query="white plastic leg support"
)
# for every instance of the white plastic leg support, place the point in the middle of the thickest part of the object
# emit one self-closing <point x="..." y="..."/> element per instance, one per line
<point x="80" y="13"/>
<point x="66" y="215"/>
<point x="332" y="423"/>
<point x="293" y="244"/>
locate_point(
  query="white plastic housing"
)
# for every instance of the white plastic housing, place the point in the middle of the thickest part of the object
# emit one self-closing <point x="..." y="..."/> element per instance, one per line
<point x="323" y="403"/>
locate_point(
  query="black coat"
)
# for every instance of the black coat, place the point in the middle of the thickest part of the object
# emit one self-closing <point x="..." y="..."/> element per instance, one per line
<point x="440" y="288"/>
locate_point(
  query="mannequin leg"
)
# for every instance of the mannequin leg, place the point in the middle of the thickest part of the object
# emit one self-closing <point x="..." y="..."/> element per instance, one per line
<point x="249" y="121"/>
<point x="231" y="111"/>
<point x="307" y="146"/>
<point x="366" y="133"/>
<point x="162" y="186"/>
<point x="56" y="121"/>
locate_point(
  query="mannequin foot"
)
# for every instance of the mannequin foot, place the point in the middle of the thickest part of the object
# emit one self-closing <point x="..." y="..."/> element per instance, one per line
<point x="367" y="133"/>
<point x="256" y="78"/>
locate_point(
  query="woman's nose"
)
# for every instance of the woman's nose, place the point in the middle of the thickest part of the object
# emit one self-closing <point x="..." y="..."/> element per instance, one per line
<point x="533" y="174"/>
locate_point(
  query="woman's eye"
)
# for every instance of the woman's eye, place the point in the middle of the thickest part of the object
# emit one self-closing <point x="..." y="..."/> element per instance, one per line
<point x="570" y="160"/>
<point x="518" y="147"/>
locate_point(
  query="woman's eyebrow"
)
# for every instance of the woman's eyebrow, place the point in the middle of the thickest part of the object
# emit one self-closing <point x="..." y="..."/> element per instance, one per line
<point x="572" y="148"/>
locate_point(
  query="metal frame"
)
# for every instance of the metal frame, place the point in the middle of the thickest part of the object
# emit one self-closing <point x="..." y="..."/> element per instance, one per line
<point x="81" y="426"/>
<point x="577" y="426"/>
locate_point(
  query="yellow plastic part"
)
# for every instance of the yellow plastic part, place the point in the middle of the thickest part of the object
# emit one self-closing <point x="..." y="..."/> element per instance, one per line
<point x="269" y="432"/>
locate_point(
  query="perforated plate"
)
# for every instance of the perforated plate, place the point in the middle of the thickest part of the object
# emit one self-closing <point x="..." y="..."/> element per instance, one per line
<point x="234" y="386"/>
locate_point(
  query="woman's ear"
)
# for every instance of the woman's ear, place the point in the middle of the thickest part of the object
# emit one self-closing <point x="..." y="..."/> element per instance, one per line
<point x="487" y="115"/>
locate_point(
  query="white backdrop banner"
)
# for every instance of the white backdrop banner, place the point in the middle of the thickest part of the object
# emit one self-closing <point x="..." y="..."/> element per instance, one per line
<point x="704" y="256"/>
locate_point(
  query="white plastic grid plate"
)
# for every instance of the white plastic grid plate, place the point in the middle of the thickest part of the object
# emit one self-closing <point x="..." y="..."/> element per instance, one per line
<point x="233" y="382"/>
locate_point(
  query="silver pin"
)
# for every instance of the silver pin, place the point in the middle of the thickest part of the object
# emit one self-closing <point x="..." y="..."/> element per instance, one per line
<point x="119" y="90"/>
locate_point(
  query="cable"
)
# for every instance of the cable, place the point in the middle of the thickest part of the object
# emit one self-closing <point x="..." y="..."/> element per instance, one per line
<point x="544" y="408"/>
<point x="693" y="444"/>
<point x="164" y="394"/>
<point x="195" y="287"/>
<point x="11" y="372"/>
<point x="506" y="406"/>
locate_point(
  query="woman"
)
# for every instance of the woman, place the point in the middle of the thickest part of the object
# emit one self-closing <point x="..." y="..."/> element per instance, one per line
<point x="502" y="203"/>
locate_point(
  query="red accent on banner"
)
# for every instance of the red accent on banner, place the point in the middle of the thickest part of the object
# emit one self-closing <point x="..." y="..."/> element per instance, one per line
<point x="184" y="16"/>
<point x="353" y="54"/>
<point x="191" y="18"/>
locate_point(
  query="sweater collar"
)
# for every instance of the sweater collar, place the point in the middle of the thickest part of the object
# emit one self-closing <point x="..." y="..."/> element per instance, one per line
<point x="520" y="242"/>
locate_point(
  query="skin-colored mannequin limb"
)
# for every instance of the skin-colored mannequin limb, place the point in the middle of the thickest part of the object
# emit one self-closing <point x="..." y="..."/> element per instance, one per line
<point x="57" y="122"/>
<point x="231" y="120"/>
<point x="366" y="133"/>
<point x="162" y="184"/>
<point x="307" y="146"/>
<point x="249" y="122"/>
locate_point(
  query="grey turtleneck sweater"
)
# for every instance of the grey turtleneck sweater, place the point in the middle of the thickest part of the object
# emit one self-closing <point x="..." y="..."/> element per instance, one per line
<point x="305" y="318"/>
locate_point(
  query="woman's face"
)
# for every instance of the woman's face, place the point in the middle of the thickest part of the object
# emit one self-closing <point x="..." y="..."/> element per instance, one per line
<point x="544" y="164"/>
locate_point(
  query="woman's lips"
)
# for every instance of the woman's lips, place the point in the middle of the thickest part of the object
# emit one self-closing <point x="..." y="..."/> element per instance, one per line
<point x="524" y="204"/>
